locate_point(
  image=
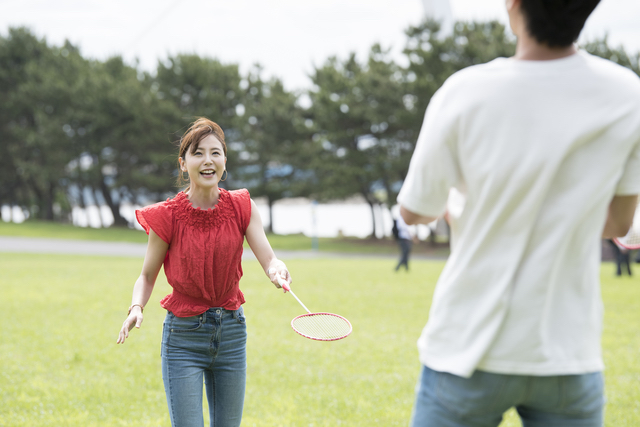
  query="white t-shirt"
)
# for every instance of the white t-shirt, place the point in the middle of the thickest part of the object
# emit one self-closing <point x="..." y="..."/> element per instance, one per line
<point x="403" y="229"/>
<point x="538" y="149"/>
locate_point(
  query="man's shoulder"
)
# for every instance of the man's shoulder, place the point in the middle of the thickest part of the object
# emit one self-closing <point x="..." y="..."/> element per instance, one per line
<point x="610" y="69"/>
<point x="474" y="75"/>
<point x="609" y="79"/>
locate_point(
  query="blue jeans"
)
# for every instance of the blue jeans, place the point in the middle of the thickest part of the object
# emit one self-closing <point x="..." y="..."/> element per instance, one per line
<point x="446" y="400"/>
<point x="405" y="248"/>
<point x="209" y="347"/>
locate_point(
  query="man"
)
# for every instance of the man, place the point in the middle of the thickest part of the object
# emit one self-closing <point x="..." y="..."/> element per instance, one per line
<point x="405" y="242"/>
<point x="545" y="148"/>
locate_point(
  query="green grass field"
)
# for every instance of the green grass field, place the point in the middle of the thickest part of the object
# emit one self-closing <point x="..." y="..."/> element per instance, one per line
<point x="61" y="367"/>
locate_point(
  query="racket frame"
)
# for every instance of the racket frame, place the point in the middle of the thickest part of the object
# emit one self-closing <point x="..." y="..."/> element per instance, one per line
<point x="308" y="313"/>
<point x="633" y="234"/>
<point x="321" y="339"/>
<point x="625" y="245"/>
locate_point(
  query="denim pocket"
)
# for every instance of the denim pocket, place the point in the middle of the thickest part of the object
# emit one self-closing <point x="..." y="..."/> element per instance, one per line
<point x="582" y="394"/>
<point x="165" y="338"/>
<point x="482" y="394"/>
<point x="185" y="324"/>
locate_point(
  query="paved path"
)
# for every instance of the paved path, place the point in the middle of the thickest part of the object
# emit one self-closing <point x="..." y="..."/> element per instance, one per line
<point x="124" y="249"/>
<point x="70" y="247"/>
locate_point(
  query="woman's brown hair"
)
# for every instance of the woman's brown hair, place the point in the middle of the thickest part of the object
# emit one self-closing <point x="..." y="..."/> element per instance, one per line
<point x="198" y="131"/>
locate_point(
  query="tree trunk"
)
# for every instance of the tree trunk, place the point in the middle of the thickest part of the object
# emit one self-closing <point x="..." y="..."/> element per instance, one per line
<point x="98" y="206"/>
<point x="432" y="236"/>
<point x="41" y="201"/>
<point x="373" y="218"/>
<point x="118" y="220"/>
<point x="270" y="227"/>
<point x="49" y="199"/>
<point x="81" y="201"/>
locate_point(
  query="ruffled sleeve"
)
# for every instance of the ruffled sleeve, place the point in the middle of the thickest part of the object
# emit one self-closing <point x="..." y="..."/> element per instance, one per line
<point x="157" y="217"/>
<point x="242" y="205"/>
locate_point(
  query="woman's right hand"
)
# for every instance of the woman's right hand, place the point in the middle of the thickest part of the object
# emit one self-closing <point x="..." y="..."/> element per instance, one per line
<point x="278" y="272"/>
<point x="134" y="319"/>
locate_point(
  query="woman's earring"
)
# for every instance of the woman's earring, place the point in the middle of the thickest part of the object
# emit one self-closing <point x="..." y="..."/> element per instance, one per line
<point x="225" y="174"/>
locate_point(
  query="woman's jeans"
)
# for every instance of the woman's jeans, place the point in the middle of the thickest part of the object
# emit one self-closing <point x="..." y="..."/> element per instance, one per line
<point x="446" y="400"/>
<point x="209" y="347"/>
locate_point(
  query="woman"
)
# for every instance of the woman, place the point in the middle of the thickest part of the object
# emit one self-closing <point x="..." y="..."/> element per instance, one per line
<point x="198" y="236"/>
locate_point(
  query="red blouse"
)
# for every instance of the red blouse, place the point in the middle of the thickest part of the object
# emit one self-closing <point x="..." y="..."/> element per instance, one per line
<point x="203" y="262"/>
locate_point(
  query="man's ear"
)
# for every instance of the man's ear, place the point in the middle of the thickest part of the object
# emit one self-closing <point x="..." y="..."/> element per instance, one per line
<point x="511" y="4"/>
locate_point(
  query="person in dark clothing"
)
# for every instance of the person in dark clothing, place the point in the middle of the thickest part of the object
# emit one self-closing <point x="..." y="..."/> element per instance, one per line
<point x="622" y="258"/>
<point x="405" y="242"/>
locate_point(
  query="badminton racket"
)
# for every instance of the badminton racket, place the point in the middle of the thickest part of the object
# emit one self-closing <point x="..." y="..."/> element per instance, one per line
<point x="632" y="239"/>
<point x="318" y="326"/>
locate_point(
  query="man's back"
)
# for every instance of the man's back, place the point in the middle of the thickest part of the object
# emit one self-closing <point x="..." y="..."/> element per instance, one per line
<point x="546" y="148"/>
<point x="538" y="148"/>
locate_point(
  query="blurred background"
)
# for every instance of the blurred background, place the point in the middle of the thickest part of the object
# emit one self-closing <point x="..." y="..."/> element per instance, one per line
<point x="321" y="101"/>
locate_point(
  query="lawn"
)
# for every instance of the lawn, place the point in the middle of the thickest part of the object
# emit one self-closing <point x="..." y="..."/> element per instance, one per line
<point x="61" y="367"/>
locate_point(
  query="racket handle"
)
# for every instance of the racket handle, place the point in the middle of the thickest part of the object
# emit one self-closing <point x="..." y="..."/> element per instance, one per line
<point x="287" y="288"/>
<point x="282" y="282"/>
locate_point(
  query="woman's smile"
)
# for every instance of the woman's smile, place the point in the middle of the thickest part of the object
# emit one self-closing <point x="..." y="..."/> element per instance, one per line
<point x="208" y="173"/>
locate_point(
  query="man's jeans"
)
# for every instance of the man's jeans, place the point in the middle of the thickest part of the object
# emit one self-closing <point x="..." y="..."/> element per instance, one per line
<point x="210" y="346"/>
<point x="446" y="400"/>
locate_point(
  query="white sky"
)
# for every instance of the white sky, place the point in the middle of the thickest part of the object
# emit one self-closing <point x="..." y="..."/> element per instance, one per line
<point x="286" y="36"/>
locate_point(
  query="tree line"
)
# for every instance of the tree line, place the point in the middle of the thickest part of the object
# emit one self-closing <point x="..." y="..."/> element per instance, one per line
<point x="75" y="130"/>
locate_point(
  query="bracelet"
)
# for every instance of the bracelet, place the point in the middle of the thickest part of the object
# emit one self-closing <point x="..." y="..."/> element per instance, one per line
<point x="133" y="305"/>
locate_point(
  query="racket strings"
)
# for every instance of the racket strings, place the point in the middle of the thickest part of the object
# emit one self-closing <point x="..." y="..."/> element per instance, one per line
<point x="321" y="326"/>
<point x="632" y="239"/>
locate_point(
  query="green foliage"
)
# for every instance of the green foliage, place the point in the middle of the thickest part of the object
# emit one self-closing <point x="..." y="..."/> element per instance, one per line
<point x="619" y="55"/>
<point x="75" y="131"/>
<point x="432" y="58"/>
<point x="274" y="152"/>
<point x="369" y="115"/>
<point x="73" y="126"/>
<point x="126" y="139"/>
<point x="361" y="120"/>
<point x="40" y="87"/>
<point x="61" y="365"/>
<point x="199" y="87"/>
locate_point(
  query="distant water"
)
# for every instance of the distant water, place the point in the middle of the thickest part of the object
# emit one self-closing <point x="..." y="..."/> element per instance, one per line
<point x="291" y="216"/>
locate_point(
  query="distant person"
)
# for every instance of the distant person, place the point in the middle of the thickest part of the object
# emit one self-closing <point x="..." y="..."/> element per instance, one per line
<point x="198" y="237"/>
<point x="622" y="256"/>
<point x="545" y="147"/>
<point x="405" y="241"/>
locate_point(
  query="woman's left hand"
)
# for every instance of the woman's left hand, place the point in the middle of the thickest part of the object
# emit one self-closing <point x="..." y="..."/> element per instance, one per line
<point x="278" y="268"/>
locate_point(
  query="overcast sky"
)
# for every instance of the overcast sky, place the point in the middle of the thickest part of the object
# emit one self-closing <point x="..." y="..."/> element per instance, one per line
<point x="286" y="36"/>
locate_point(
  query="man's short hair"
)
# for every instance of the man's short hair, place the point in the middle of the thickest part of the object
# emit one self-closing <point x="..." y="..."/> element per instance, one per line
<point x="556" y="23"/>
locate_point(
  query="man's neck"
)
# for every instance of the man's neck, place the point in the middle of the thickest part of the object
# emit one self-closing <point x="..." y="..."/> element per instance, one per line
<point x="528" y="49"/>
